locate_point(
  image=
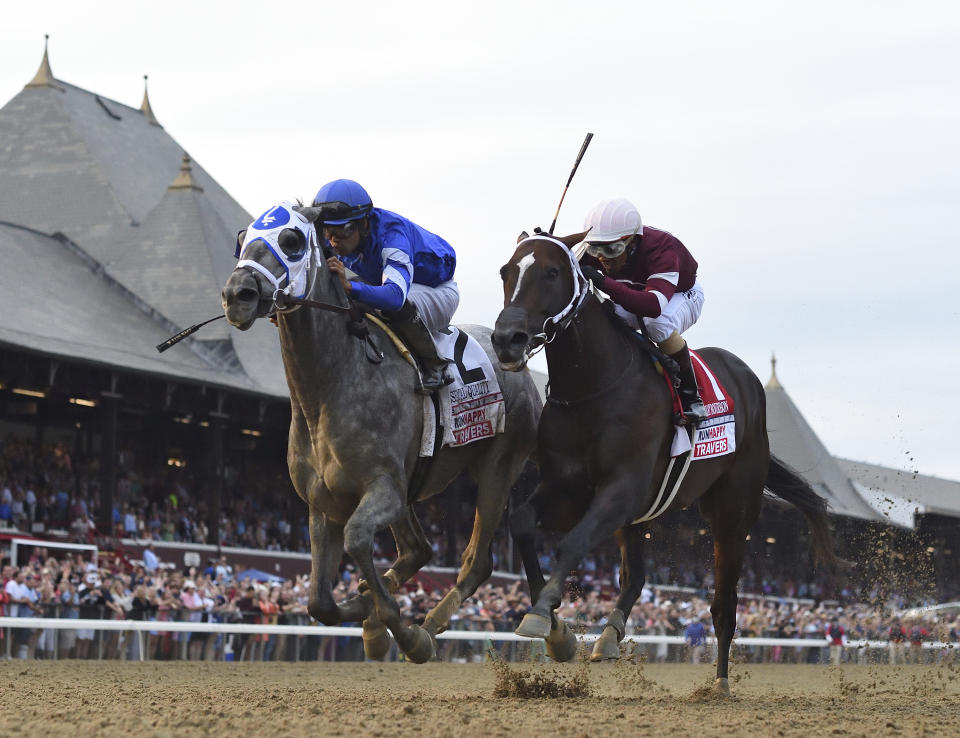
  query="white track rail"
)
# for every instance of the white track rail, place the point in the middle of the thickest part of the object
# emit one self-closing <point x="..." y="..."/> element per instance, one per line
<point x="325" y="630"/>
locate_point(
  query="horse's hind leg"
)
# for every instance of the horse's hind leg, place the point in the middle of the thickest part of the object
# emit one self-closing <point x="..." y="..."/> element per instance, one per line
<point x="494" y="479"/>
<point x="413" y="553"/>
<point x="381" y="506"/>
<point x="413" y="550"/>
<point x="732" y="510"/>
<point x="630" y="539"/>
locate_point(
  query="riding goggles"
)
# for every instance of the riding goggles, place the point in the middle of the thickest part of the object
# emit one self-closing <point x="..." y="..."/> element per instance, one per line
<point x="340" y="232"/>
<point x="339" y="213"/>
<point x="608" y="249"/>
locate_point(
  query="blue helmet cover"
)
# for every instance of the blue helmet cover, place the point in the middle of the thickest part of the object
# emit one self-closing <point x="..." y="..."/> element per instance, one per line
<point x="346" y="191"/>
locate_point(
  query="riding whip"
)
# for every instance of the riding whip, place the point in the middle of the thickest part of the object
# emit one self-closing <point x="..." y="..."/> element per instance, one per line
<point x="583" y="149"/>
<point x="174" y="340"/>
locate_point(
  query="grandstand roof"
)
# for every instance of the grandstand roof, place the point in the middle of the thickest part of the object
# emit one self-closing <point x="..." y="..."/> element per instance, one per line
<point x="919" y="493"/>
<point x="793" y="441"/>
<point x="100" y="206"/>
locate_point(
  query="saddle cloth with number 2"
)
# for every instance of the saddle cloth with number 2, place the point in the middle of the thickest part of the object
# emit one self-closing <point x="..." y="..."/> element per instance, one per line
<point x="472" y="407"/>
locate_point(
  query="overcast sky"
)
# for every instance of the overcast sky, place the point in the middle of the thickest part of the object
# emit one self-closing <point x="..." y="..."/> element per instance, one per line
<point x="806" y="153"/>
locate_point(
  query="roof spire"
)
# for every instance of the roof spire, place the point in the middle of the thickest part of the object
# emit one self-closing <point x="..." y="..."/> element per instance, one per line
<point x="773" y="382"/>
<point x="184" y="180"/>
<point x="44" y="76"/>
<point x="145" y="106"/>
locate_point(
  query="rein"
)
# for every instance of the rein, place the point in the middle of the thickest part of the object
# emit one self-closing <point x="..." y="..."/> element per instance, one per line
<point x="356" y="325"/>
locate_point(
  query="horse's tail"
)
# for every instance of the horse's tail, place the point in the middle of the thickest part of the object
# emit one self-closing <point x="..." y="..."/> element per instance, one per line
<point x="789" y="486"/>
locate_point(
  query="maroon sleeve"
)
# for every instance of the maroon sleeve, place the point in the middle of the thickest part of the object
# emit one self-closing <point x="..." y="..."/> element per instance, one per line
<point x="642" y="303"/>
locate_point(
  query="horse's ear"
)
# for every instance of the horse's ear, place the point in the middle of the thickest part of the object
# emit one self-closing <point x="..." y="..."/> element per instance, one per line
<point x="573" y="240"/>
<point x="311" y="214"/>
<point x="523" y="235"/>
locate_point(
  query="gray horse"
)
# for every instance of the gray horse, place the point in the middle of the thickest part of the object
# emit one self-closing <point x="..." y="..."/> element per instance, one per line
<point x="354" y="442"/>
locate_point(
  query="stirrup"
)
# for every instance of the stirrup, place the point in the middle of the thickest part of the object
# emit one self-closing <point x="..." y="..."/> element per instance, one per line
<point x="695" y="413"/>
<point x="429" y="382"/>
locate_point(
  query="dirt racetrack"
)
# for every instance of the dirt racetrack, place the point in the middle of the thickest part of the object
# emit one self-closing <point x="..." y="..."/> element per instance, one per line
<point x="395" y="699"/>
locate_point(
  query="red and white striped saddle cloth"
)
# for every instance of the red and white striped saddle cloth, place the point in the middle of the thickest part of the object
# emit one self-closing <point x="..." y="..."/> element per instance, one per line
<point x="716" y="435"/>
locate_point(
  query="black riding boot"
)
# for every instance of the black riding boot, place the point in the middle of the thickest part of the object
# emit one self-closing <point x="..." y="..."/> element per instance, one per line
<point x="693" y="409"/>
<point x="410" y="327"/>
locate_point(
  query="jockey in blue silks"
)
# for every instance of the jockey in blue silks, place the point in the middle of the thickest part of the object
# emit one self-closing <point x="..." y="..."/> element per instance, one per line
<point x="407" y="270"/>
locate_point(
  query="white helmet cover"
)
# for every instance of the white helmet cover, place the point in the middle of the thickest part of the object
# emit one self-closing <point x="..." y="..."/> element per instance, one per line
<point x="611" y="220"/>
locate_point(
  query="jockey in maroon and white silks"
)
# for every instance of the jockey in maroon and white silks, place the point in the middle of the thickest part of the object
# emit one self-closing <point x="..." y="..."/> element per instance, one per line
<point x="651" y="276"/>
<point x="656" y="269"/>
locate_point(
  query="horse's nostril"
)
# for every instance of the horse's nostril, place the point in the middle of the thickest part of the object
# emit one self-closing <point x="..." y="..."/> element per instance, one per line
<point x="519" y="339"/>
<point x="247" y="294"/>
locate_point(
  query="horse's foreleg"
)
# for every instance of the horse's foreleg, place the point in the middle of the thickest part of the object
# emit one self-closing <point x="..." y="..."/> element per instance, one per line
<point x="523" y="528"/>
<point x="381" y="506"/>
<point x="630" y="539"/>
<point x="494" y="480"/>
<point x="413" y="553"/>
<point x="326" y="549"/>
<point x="601" y="521"/>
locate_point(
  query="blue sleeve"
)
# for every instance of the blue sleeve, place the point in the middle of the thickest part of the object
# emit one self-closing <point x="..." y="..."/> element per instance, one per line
<point x="388" y="296"/>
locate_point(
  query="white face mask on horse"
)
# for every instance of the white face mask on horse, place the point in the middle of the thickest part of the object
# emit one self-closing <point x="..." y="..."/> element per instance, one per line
<point x="266" y="230"/>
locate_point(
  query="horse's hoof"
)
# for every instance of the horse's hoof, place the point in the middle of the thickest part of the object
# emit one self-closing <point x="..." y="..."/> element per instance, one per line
<point x="376" y="640"/>
<point x="421" y="649"/>
<point x="534" y="626"/>
<point x="722" y="685"/>
<point x="606" y="649"/>
<point x="562" y="643"/>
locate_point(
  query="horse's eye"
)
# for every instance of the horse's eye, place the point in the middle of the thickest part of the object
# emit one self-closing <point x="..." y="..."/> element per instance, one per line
<point x="292" y="241"/>
<point x="503" y="273"/>
<point x="553" y="272"/>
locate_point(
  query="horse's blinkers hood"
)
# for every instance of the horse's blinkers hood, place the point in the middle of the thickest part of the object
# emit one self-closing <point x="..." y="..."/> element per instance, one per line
<point x="266" y="230"/>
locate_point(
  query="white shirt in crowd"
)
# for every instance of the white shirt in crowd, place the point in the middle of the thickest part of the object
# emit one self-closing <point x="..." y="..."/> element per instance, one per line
<point x="14" y="592"/>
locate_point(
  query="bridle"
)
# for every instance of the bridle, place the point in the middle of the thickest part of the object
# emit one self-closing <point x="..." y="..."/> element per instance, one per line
<point x="283" y="302"/>
<point x="554" y="325"/>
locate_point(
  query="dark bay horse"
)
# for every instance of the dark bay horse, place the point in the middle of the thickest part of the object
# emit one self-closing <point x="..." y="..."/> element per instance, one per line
<point x="355" y="437"/>
<point x="603" y="447"/>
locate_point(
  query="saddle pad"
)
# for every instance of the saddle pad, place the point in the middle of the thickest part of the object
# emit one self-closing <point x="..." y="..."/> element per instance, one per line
<point x="472" y="407"/>
<point x="715" y="435"/>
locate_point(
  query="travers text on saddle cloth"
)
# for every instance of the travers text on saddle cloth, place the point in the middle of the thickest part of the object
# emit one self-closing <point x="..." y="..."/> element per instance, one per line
<point x="472" y="407"/>
<point x="716" y="435"/>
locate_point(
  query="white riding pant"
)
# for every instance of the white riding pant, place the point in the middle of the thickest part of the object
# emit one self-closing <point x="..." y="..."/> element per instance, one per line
<point x="680" y="313"/>
<point x="436" y="305"/>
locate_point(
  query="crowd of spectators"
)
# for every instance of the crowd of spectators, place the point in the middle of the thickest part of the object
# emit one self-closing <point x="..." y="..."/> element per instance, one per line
<point x="74" y="587"/>
<point x="51" y="486"/>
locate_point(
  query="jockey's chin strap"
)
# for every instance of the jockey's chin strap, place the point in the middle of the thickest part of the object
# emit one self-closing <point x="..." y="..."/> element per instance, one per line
<point x="582" y="288"/>
<point x="357" y="326"/>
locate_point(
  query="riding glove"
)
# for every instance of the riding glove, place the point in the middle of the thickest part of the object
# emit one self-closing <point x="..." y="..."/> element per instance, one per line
<point x="594" y="275"/>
